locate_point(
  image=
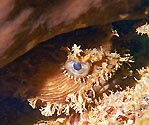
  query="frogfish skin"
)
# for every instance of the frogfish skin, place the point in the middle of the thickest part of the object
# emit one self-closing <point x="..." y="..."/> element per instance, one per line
<point x="73" y="83"/>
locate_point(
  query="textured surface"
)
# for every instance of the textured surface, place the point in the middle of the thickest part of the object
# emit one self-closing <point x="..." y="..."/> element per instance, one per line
<point x="70" y="89"/>
<point x="39" y="64"/>
<point x="25" y="24"/>
<point x="44" y="61"/>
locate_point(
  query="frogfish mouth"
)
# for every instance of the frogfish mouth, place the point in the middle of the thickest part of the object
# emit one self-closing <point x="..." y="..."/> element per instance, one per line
<point x="73" y="85"/>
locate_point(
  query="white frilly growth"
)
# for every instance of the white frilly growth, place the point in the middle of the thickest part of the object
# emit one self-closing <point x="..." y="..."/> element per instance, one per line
<point x="144" y="29"/>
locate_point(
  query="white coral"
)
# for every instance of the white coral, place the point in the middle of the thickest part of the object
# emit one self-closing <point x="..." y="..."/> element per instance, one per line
<point x="144" y="29"/>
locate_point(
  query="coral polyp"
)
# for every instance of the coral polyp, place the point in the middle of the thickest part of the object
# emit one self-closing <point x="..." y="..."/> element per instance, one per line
<point x="73" y="87"/>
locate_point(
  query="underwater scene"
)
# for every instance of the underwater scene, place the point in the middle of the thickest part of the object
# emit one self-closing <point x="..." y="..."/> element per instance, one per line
<point x="74" y="62"/>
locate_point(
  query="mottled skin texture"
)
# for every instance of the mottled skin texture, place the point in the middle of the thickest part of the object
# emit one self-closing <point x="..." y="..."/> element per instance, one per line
<point x="45" y="58"/>
<point x="24" y="24"/>
<point x="40" y="64"/>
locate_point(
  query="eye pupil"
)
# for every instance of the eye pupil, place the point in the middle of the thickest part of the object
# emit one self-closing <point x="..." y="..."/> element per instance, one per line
<point x="77" y="66"/>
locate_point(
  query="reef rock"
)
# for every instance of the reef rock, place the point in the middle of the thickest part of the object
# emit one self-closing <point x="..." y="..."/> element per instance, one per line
<point x="24" y="24"/>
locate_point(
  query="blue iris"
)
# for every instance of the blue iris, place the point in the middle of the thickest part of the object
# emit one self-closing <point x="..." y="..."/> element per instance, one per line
<point x="77" y="66"/>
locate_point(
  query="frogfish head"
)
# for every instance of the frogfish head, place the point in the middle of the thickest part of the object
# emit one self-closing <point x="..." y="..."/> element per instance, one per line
<point x="73" y="86"/>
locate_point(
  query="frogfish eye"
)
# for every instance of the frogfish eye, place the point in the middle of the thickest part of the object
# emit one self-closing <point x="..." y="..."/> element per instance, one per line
<point x="77" y="69"/>
<point x="77" y="66"/>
